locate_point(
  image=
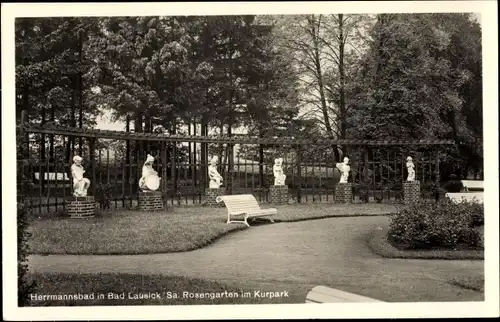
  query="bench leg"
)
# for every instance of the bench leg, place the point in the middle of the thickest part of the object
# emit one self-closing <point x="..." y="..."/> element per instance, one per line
<point x="246" y="221"/>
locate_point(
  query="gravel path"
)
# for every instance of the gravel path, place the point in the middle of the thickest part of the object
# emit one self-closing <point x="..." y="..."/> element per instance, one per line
<point x="330" y="252"/>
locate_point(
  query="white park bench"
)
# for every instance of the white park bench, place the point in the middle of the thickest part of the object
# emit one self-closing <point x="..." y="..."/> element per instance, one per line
<point x="473" y="185"/>
<point x="323" y="294"/>
<point x="246" y="206"/>
<point x="53" y="176"/>
<point x="466" y="196"/>
<point x="60" y="179"/>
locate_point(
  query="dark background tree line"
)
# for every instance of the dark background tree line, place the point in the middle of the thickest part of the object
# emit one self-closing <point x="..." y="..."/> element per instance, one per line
<point x="391" y="76"/>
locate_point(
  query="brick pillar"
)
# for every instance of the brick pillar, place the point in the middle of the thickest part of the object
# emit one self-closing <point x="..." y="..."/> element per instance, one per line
<point x="343" y="193"/>
<point x="279" y="194"/>
<point x="81" y="207"/>
<point x="150" y="200"/>
<point x="411" y="192"/>
<point x="211" y="194"/>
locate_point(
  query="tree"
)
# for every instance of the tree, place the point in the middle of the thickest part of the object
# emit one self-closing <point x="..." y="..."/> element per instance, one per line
<point x="141" y="67"/>
<point x="325" y="49"/>
<point x="417" y="78"/>
<point x="49" y="58"/>
<point x="49" y="63"/>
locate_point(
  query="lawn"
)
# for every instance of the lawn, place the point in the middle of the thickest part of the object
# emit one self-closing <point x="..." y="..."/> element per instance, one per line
<point x="177" y="229"/>
<point x="135" y="289"/>
<point x="473" y="282"/>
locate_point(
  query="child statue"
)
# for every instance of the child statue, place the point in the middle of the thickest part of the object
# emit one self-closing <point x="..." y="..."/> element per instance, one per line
<point x="147" y="170"/>
<point x="80" y="184"/>
<point x="344" y="169"/>
<point x="279" y="176"/>
<point x="411" y="169"/>
<point x="215" y="177"/>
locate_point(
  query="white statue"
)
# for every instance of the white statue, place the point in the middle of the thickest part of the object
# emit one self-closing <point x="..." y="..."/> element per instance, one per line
<point x="279" y="176"/>
<point x="344" y="169"/>
<point x="80" y="184"/>
<point x="215" y="177"/>
<point x="411" y="169"/>
<point x="150" y="179"/>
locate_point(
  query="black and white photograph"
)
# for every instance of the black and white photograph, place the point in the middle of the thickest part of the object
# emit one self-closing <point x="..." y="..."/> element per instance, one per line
<point x="219" y="162"/>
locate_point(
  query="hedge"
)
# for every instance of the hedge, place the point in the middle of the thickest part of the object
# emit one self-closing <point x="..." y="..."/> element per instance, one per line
<point x="443" y="224"/>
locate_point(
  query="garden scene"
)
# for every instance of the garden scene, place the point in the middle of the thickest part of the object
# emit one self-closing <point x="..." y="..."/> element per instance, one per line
<point x="176" y="160"/>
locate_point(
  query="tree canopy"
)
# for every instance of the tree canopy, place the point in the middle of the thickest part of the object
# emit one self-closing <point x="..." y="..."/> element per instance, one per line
<point x="387" y="76"/>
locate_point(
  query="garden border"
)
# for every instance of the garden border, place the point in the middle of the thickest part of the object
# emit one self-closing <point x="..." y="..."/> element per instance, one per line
<point x="379" y="245"/>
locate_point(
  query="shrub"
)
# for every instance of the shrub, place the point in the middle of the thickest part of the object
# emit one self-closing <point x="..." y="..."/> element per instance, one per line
<point x="454" y="184"/>
<point x="434" y="190"/>
<point x="24" y="286"/>
<point x="362" y="190"/>
<point x="105" y="193"/>
<point x="444" y="224"/>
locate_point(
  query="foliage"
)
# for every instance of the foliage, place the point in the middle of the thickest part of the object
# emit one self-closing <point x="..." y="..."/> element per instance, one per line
<point x="105" y="193"/>
<point x="50" y="59"/>
<point x="445" y="224"/>
<point x="324" y="50"/>
<point x="421" y="79"/>
<point x="362" y="190"/>
<point x="453" y="185"/>
<point x="389" y="76"/>
<point x="380" y="245"/>
<point x="24" y="285"/>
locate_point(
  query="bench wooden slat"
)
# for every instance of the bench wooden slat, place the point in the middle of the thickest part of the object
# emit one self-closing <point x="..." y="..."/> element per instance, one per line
<point x="323" y="294"/>
<point x="243" y="202"/>
<point x="245" y="205"/>
<point x="473" y="184"/>
<point x="468" y="196"/>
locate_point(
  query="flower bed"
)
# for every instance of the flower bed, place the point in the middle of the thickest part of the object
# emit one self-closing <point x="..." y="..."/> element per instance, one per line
<point x="441" y="225"/>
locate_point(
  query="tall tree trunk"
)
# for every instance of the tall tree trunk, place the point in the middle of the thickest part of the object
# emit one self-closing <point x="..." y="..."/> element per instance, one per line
<point x="195" y="152"/>
<point x="221" y="151"/>
<point x="70" y="145"/>
<point x="80" y="90"/>
<point x="138" y="144"/>
<point x="230" y="160"/>
<point x="27" y="108"/>
<point x="319" y="73"/>
<point x="203" y="153"/>
<point x="341" y="66"/>
<point x="42" y="153"/>
<point x="261" y="159"/>
<point x="51" y="146"/>
<point x="315" y="26"/>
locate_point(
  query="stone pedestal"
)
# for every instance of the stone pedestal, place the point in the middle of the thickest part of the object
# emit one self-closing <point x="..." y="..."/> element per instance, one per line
<point x="150" y="200"/>
<point x="81" y="207"/>
<point x="211" y="194"/>
<point x="278" y="195"/>
<point x="411" y="192"/>
<point x="343" y="193"/>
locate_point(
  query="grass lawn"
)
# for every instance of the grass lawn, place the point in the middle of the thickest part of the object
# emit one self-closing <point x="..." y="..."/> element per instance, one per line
<point x="177" y="229"/>
<point x="475" y="283"/>
<point x="381" y="246"/>
<point x="129" y="289"/>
